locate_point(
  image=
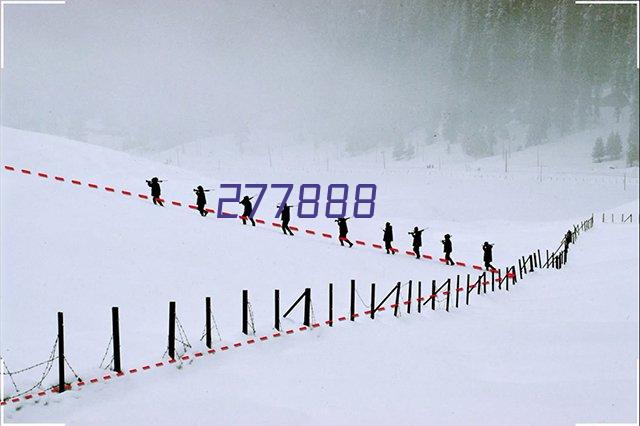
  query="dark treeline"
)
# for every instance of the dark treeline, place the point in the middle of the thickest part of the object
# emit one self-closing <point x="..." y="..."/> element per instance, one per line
<point x="547" y="65"/>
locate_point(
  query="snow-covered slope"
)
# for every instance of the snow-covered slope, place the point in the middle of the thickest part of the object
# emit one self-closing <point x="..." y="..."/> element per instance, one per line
<point x="79" y="250"/>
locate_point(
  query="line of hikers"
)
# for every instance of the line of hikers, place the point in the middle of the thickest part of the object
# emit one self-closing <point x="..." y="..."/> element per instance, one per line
<point x="387" y="237"/>
<point x="343" y="229"/>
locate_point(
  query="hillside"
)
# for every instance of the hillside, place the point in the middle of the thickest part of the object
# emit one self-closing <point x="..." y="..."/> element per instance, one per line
<point x="81" y="250"/>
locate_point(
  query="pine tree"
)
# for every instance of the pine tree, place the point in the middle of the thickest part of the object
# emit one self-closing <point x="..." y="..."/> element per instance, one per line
<point x="598" y="151"/>
<point x="614" y="146"/>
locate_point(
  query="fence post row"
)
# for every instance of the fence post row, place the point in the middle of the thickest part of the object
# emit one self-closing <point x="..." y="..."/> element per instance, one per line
<point x="115" y="325"/>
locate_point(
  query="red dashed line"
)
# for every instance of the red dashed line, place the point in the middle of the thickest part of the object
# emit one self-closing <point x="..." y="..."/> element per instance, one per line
<point x="250" y="342"/>
<point x="263" y="338"/>
<point x="261" y="221"/>
<point x="289" y="331"/>
<point x="159" y="364"/>
<point x="237" y="345"/>
<point x="133" y="371"/>
<point x="224" y="348"/>
<point x="185" y="357"/>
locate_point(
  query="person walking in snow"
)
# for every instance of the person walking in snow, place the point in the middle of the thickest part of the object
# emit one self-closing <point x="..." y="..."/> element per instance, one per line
<point x="417" y="240"/>
<point x="154" y="184"/>
<point x="387" y="237"/>
<point x="286" y="217"/>
<point x="488" y="255"/>
<point x="248" y="210"/>
<point x="568" y="238"/>
<point x="343" y="231"/>
<point x="201" y="200"/>
<point x="448" y="248"/>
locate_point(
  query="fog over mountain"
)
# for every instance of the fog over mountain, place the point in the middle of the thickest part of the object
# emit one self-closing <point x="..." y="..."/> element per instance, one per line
<point x="360" y="74"/>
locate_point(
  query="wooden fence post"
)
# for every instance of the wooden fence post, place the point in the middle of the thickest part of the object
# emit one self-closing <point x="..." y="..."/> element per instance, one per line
<point x="245" y="312"/>
<point x="115" y="327"/>
<point x="409" y="298"/>
<point x="276" y="309"/>
<point x="352" y="300"/>
<point x="61" y="381"/>
<point x="448" y="292"/>
<point x="171" y="348"/>
<point x="396" y="310"/>
<point x="307" y="307"/>
<point x="467" y="291"/>
<point x="433" y="295"/>
<point x="373" y="300"/>
<point x="331" y="305"/>
<point x="419" y="296"/>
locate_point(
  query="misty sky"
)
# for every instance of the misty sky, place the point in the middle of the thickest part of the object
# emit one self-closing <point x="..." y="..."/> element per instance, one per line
<point x="186" y="69"/>
<point x="160" y="73"/>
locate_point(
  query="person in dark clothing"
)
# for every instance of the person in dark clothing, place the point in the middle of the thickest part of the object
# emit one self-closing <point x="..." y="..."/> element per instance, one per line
<point x="154" y="184"/>
<point x="417" y="240"/>
<point x="568" y="238"/>
<point x="343" y="231"/>
<point x="488" y="255"/>
<point x="286" y="217"/>
<point x="248" y="210"/>
<point x="448" y="248"/>
<point x="387" y="237"/>
<point x="201" y="200"/>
